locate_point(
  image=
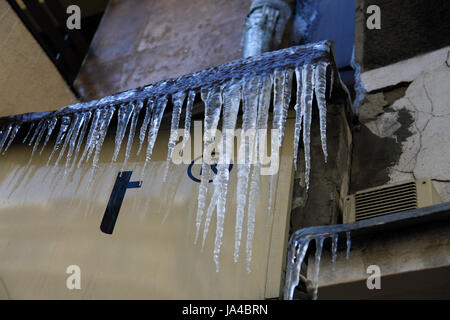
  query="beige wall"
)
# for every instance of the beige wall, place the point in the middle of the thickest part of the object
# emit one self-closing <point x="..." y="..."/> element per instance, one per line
<point x="29" y="82"/>
<point x="50" y="221"/>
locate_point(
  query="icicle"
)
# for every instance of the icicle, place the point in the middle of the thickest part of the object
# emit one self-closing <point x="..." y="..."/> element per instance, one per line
<point x="296" y="255"/>
<point x="282" y="97"/>
<point x="213" y="103"/>
<point x="42" y="130"/>
<point x="5" y="135"/>
<point x="65" y="122"/>
<point x="104" y="121"/>
<point x="334" y="246"/>
<point x="36" y="132"/>
<point x="87" y="118"/>
<point x="306" y="105"/>
<point x="136" y="111"/>
<point x="265" y="87"/>
<point x="12" y="137"/>
<point x="144" y="126"/>
<point x="349" y="244"/>
<point x="69" y="134"/>
<point x="246" y="149"/>
<point x="124" y="115"/>
<point x="73" y="139"/>
<point x="187" y="120"/>
<point x="90" y="140"/>
<point x="232" y="94"/>
<point x="153" y="130"/>
<point x="319" y="246"/>
<point x="298" y="113"/>
<point x="178" y="100"/>
<point x="281" y="100"/>
<point x="320" y="90"/>
<point x="50" y="127"/>
<point x="29" y="132"/>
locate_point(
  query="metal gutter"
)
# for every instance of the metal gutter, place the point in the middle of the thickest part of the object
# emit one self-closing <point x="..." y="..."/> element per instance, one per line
<point x="365" y="228"/>
<point x="207" y="78"/>
<point x="359" y="229"/>
<point x="264" y="26"/>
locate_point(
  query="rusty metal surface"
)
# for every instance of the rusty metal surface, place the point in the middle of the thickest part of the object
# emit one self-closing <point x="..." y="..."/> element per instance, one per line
<point x="207" y="78"/>
<point x="144" y="41"/>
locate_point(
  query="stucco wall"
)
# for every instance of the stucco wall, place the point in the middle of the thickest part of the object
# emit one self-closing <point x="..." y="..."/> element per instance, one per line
<point x="406" y="119"/>
<point x="29" y="82"/>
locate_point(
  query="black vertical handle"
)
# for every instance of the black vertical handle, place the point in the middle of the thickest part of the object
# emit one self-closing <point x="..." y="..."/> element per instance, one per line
<point x="115" y="200"/>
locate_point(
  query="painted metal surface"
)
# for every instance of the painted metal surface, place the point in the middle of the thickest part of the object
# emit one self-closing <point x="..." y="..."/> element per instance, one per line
<point x="49" y="221"/>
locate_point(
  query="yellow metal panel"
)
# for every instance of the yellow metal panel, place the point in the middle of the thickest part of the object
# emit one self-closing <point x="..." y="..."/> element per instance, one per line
<point x="49" y="221"/>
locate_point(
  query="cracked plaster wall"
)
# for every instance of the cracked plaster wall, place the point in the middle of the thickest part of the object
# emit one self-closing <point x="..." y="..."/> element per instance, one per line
<point x="406" y="129"/>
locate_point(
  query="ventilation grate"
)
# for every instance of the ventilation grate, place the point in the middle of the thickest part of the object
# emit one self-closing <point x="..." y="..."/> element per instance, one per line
<point x="386" y="200"/>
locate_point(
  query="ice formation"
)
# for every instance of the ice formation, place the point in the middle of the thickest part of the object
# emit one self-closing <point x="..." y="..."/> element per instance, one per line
<point x="298" y="248"/>
<point x="88" y="123"/>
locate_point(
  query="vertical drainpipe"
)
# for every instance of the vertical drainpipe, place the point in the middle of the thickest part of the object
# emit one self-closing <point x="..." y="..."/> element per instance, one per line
<point x="264" y="26"/>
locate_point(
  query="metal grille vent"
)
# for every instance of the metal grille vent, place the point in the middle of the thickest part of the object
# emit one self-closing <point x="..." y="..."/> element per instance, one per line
<point x="386" y="200"/>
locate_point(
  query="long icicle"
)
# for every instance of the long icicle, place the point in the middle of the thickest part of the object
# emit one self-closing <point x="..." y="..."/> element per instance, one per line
<point x="298" y="114"/>
<point x="265" y="86"/>
<point x="123" y="118"/>
<point x="306" y="106"/>
<point x="136" y="111"/>
<point x="105" y="119"/>
<point x="320" y="90"/>
<point x="153" y="130"/>
<point x="90" y="140"/>
<point x="212" y="99"/>
<point x="50" y="128"/>
<point x="144" y="126"/>
<point x="282" y="87"/>
<point x="73" y="139"/>
<point x="187" y="119"/>
<point x="70" y="132"/>
<point x="245" y="154"/>
<point x="232" y="95"/>
<point x="65" y="122"/>
<point x="87" y="118"/>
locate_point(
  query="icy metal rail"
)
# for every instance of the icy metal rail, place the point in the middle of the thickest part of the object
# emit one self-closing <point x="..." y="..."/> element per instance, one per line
<point x="298" y="243"/>
<point x="207" y="78"/>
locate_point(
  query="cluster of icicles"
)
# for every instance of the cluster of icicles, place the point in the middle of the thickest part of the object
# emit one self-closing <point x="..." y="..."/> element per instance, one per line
<point x="297" y="253"/>
<point x="255" y="91"/>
